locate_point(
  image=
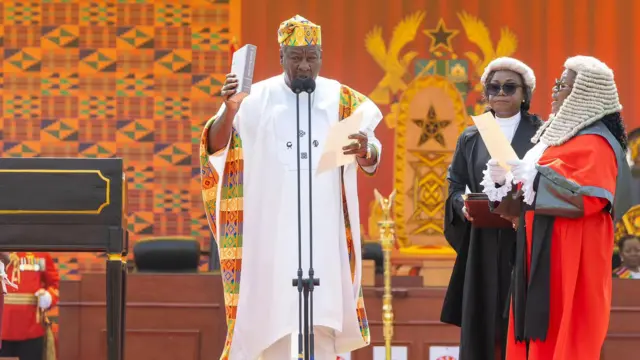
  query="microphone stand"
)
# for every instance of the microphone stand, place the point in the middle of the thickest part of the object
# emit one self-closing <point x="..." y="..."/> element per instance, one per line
<point x="310" y="87"/>
<point x="305" y="285"/>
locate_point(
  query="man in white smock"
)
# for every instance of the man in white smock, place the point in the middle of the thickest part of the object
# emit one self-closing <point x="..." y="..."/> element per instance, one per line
<point x="249" y="186"/>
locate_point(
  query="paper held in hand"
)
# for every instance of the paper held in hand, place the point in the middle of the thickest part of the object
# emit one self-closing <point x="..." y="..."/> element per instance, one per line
<point x="332" y="155"/>
<point x="497" y="144"/>
<point x="242" y="65"/>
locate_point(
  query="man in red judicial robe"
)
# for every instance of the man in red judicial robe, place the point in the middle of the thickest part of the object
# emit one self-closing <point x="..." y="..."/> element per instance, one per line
<point x="575" y="183"/>
<point x="25" y="333"/>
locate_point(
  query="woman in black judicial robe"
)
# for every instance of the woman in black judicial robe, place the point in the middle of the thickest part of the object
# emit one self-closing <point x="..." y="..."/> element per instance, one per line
<point x="479" y="285"/>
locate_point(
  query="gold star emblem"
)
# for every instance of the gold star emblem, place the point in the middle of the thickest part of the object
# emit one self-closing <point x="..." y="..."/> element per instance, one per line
<point x="431" y="127"/>
<point x="441" y="36"/>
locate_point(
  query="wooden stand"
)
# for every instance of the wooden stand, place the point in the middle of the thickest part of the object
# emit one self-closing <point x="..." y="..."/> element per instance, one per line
<point x="169" y="316"/>
<point x="623" y="336"/>
<point x="182" y="316"/>
<point x="73" y="205"/>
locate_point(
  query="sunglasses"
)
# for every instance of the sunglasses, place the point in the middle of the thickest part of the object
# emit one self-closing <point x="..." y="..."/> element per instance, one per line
<point x="507" y="89"/>
<point x="560" y="85"/>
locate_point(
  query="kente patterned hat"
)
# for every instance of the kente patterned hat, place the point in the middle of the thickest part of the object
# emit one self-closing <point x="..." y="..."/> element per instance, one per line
<point x="299" y="31"/>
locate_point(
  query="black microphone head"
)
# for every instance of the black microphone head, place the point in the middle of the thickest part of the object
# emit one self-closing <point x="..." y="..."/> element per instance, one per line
<point x="309" y="85"/>
<point x="297" y="85"/>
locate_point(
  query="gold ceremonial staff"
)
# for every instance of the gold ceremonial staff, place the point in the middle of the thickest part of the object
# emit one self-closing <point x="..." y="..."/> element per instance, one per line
<point x="387" y="237"/>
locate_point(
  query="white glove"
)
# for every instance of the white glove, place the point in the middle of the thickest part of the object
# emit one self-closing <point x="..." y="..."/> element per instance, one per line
<point x="44" y="299"/>
<point x="523" y="171"/>
<point x="497" y="173"/>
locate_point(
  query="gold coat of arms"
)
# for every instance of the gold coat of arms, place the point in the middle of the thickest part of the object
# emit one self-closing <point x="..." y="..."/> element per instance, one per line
<point x="429" y="93"/>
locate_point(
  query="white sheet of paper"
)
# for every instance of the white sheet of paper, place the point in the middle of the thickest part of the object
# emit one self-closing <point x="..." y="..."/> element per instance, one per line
<point x="332" y="154"/>
<point x="497" y="144"/>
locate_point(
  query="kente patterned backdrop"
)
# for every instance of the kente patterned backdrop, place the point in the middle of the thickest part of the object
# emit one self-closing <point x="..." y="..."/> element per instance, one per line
<point x="133" y="79"/>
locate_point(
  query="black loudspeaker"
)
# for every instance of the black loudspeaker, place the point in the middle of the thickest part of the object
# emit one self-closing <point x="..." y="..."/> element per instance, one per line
<point x="167" y="255"/>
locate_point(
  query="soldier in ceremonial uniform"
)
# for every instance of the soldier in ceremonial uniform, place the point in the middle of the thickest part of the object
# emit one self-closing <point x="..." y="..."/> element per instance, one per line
<point x="26" y="333"/>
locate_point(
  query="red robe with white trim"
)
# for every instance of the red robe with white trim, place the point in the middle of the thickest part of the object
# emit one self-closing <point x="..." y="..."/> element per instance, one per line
<point x="580" y="257"/>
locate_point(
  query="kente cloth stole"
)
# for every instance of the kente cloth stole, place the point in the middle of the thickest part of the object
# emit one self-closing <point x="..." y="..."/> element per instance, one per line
<point x="231" y="216"/>
<point x="623" y="272"/>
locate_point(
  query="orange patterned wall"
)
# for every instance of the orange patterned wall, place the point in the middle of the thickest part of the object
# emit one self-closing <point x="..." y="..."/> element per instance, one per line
<point x="133" y="79"/>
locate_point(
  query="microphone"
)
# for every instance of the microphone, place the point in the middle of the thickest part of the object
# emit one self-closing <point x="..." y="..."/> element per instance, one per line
<point x="309" y="85"/>
<point x="298" y="85"/>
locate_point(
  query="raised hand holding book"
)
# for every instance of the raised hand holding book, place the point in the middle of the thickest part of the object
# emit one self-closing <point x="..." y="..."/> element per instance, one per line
<point x="242" y="65"/>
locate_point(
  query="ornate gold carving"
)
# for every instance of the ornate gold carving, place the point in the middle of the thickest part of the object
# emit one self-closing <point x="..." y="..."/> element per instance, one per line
<point x="431" y="127"/>
<point x="631" y="221"/>
<point x="395" y="68"/>
<point x="391" y="118"/>
<point x="422" y="187"/>
<point x="628" y="225"/>
<point x="441" y="80"/>
<point x="441" y="36"/>
<point x="426" y="192"/>
<point x="385" y="204"/>
<point x="375" y="215"/>
<point x="458" y="73"/>
<point x="620" y="232"/>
